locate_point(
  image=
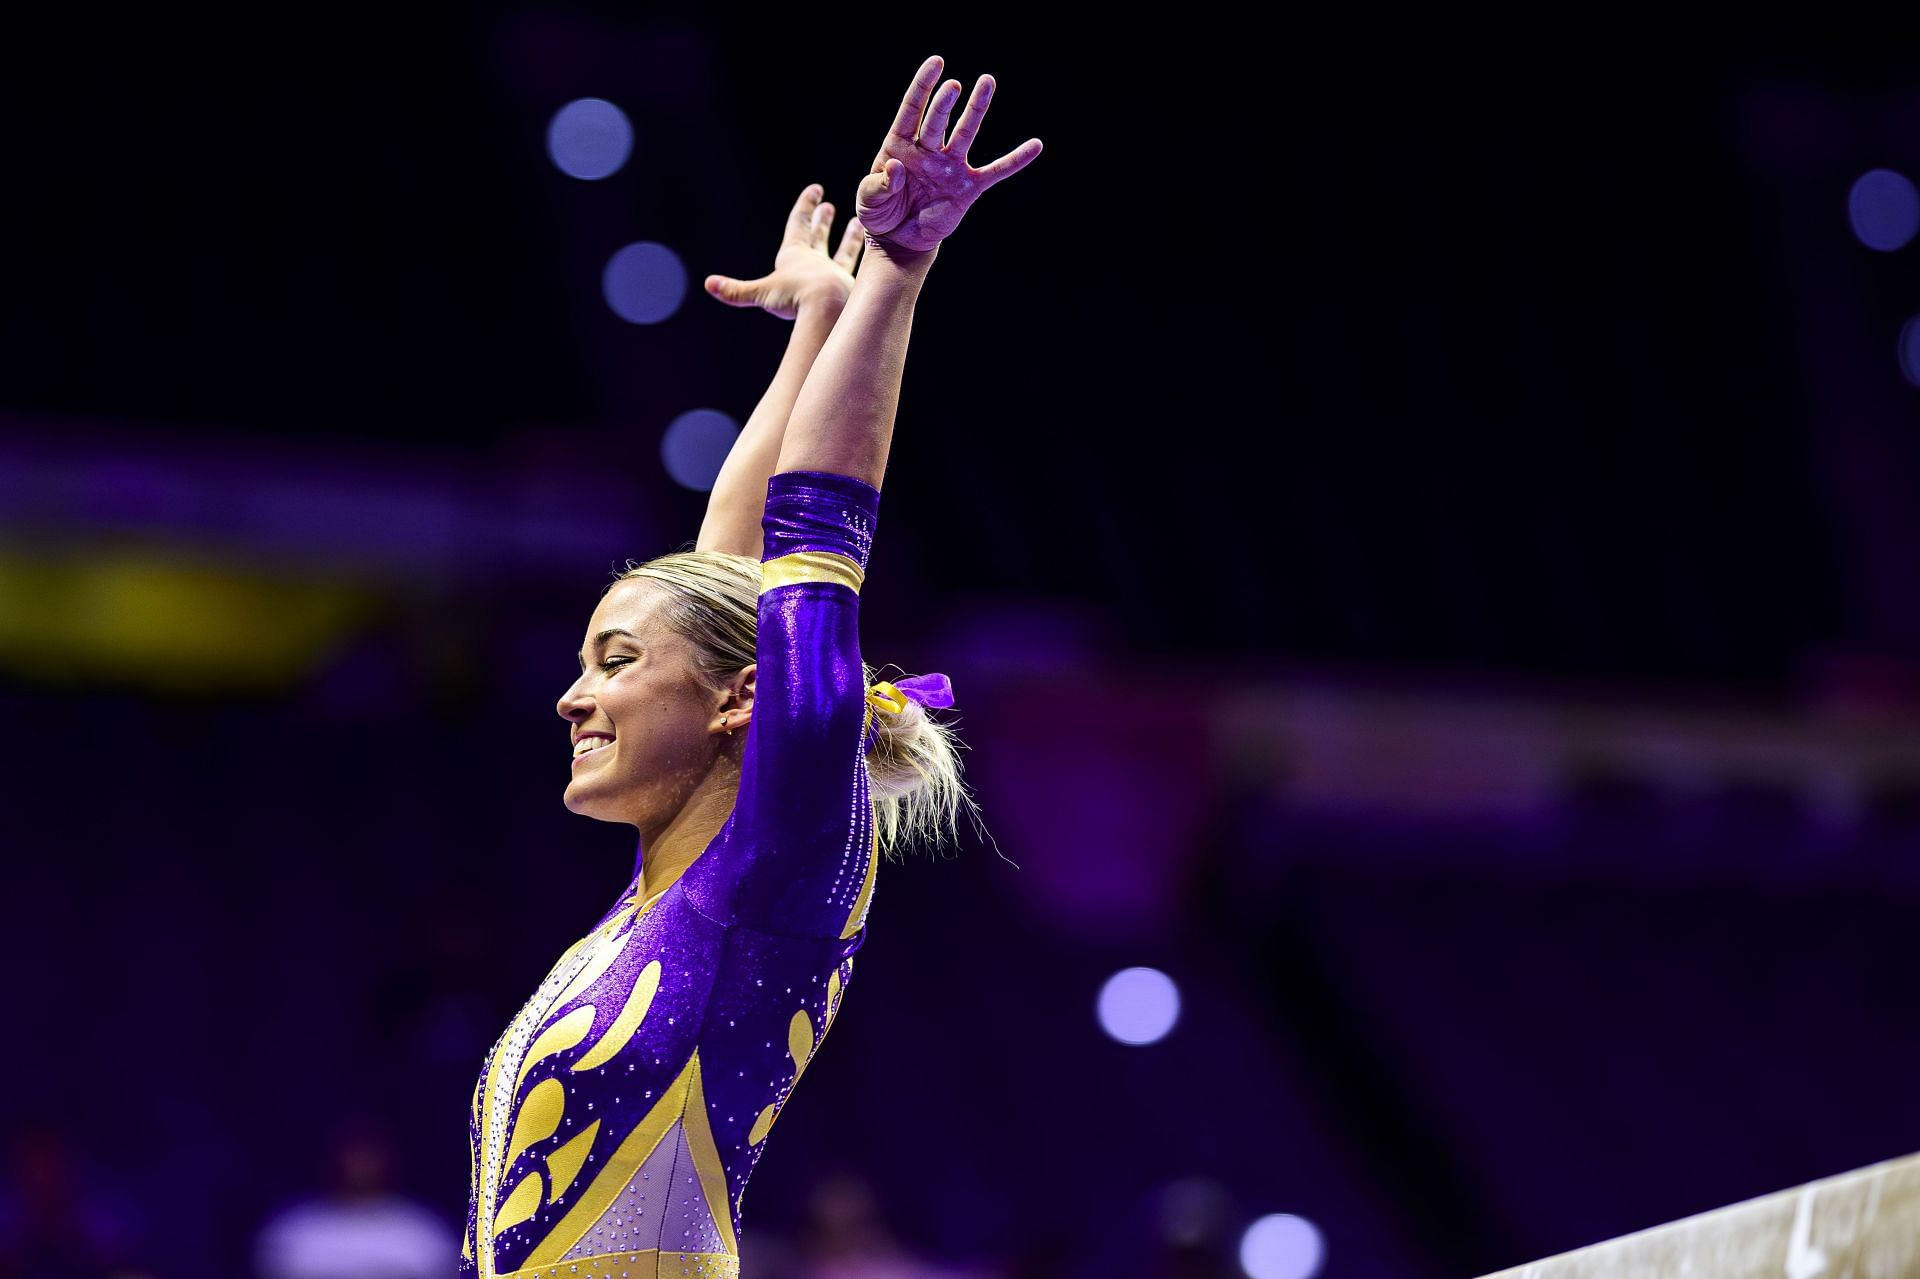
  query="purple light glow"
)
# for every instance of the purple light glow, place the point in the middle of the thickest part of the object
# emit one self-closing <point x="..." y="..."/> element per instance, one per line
<point x="1195" y="1211"/>
<point x="644" y="282"/>
<point x="694" y="446"/>
<point x="1138" y="1005"/>
<point x="1282" y="1246"/>
<point x="589" y="139"/>
<point x="1884" y="209"/>
<point x="1910" y="349"/>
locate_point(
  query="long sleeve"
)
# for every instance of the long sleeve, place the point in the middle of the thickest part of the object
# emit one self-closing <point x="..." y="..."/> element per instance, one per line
<point x="797" y="856"/>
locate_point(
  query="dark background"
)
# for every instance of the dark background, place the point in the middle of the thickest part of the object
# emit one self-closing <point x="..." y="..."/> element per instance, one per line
<point x="1423" y="540"/>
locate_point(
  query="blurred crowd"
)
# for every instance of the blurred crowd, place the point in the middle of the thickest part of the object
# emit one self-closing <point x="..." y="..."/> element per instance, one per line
<point x="62" y="1218"/>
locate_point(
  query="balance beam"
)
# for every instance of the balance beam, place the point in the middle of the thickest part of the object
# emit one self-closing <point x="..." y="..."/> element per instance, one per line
<point x="1863" y="1223"/>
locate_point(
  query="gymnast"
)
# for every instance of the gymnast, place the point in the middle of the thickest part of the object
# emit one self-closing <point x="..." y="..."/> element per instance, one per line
<point x="618" y="1117"/>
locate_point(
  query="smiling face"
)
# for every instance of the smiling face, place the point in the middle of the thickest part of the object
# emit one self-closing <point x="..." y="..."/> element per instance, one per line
<point x="655" y="730"/>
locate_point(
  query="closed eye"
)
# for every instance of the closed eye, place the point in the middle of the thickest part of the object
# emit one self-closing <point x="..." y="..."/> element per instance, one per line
<point x="612" y="662"/>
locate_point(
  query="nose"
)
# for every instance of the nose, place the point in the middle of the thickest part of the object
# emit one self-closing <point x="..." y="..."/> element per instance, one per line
<point x="574" y="705"/>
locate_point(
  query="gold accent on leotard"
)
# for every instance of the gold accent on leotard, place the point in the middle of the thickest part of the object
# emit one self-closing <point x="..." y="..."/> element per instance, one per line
<point x="762" y="1125"/>
<point x="800" y="1048"/>
<point x="639" y="1262"/>
<point x="811" y="566"/>
<point x="620" y="1168"/>
<point x="557" y="1038"/>
<point x="520" y="1205"/>
<point x="799" y="1042"/>
<point x="706" y="1163"/>
<point x="639" y="999"/>
<point x="563" y="1165"/>
<point x="539" y="1119"/>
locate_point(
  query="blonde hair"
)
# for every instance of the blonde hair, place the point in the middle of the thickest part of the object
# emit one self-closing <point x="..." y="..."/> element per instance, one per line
<point x="914" y="765"/>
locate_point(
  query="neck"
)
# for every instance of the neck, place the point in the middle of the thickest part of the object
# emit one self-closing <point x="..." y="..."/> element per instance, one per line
<point x="668" y="848"/>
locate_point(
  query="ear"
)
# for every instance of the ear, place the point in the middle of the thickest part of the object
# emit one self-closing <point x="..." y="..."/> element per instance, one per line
<point x="740" y="689"/>
<point x="735" y="695"/>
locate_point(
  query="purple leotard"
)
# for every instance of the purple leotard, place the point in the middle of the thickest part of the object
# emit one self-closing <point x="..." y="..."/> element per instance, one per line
<point x="617" y="1119"/>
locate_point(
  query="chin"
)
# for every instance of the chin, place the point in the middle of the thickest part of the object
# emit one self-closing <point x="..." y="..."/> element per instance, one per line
<point x="594" y="806"/>
<point x="578" y="804"/>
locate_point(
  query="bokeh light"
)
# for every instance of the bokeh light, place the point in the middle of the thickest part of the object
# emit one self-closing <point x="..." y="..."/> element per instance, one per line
<point x="1910" y="349"/>
<point x="1195" y="1211"/>
<point x="589" y="138"/>
<point x="694" y="446"/>
<point x="1138" y="1005"/>
<point x="1282" y="1246"/>
<point x="1884" y="209"/>
<point x="644" y="282"/>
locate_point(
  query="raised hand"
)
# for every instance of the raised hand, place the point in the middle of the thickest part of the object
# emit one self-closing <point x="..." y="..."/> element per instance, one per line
<point x="921" y="184"/>
<point x="802" y="268"/>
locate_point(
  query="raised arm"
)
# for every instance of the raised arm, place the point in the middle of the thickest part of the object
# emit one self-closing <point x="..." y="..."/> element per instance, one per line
<point x="796" y="857"/>
<point x="920" y="186"/>
<point x="809" y="288"/>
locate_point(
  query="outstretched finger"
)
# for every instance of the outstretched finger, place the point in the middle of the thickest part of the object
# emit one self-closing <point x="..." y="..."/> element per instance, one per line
<point x="933" y="131"/>
<point x="970" y="118"/>
<point x="735" y="292"/>
<point x="1010" y="163"/>
<point x="852" y="240"/>
<point x="822" y="224"/>
<point x="800" y="218"/>
<point x="907" y="123"/>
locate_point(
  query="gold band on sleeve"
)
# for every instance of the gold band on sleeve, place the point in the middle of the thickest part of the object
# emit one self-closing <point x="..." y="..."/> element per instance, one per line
<point x="810" y="566"/>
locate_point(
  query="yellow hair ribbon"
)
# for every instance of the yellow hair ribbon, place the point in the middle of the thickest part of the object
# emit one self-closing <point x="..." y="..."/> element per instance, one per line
<point x="885" y="697"/>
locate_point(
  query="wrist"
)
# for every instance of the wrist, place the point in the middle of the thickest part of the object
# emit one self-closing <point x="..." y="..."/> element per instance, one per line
<point x="903" y="261"/>
<point x="828" y="298"/>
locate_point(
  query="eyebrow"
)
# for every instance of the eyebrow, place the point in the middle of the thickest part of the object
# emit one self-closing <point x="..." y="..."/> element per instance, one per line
<point x="602" y="638"/>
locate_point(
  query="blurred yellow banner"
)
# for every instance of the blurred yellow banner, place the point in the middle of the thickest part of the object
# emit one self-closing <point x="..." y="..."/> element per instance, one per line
<point x="169" y="620"/>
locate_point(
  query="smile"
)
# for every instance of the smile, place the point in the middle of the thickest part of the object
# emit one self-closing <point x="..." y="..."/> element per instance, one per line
<point x="591" y="747"/>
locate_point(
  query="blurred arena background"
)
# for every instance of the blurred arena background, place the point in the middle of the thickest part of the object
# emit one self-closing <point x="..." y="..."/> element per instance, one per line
<point x="1424" y="542"/>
